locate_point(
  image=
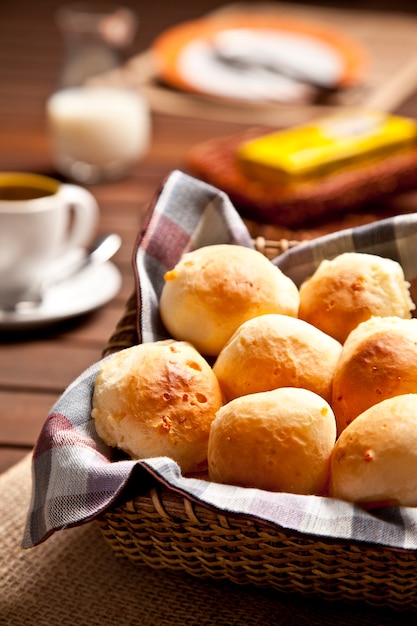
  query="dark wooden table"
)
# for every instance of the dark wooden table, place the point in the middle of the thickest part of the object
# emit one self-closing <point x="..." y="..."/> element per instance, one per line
<point x="35" y="367"/>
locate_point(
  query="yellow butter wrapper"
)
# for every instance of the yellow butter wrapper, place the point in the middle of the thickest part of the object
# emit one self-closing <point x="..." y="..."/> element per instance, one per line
<point x="317" y="149"/>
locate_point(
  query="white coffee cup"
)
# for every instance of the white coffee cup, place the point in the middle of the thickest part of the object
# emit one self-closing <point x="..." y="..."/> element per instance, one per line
<point x="41" y="221"/>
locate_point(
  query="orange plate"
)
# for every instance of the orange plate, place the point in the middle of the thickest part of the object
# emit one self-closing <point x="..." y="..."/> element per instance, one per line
<point x="170" y="45"/>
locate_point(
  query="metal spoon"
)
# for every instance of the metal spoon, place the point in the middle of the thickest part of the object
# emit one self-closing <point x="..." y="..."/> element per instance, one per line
<point x="102" y="249"/>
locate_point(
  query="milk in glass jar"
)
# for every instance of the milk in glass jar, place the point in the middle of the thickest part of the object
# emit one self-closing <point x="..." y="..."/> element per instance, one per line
<point x="99" y="126"/>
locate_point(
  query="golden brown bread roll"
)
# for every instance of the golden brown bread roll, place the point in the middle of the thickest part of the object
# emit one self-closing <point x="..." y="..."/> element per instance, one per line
<point x="378" y="361"/>
<point x="157" y="399"/>
<point x="273" y="351"/>
<point x="214" y="289"/>
<point x="375" y="458"/>
<point x="278" y="440"/>
<point x="350" y="289"/>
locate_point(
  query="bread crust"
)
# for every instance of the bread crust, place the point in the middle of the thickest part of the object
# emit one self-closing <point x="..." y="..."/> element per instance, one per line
<point x="351" y="288"/>
<point x="157" y="399"/>
<point x="214" y="289"/>
<point x="375" y="458"/>
<point x="274" y="351"/>
<point x="279" y="440"/>
<point x="378" y="361"/>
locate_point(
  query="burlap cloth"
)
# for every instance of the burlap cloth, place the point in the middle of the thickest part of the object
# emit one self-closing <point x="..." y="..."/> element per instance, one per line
<point x="74" y="579"/>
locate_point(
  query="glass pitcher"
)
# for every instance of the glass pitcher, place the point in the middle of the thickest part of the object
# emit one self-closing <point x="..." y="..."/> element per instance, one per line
<point x="99" y="126"/>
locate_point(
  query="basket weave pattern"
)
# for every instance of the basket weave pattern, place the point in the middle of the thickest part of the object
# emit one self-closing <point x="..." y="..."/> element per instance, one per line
<point x="166" y="530"/>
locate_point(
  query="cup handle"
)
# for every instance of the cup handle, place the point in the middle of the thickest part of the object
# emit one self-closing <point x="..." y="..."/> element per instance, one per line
<point x="86" y="214"/>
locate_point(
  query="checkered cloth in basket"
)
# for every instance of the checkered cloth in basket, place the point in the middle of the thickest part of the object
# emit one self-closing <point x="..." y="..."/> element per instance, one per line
<point x="74" y="477"/>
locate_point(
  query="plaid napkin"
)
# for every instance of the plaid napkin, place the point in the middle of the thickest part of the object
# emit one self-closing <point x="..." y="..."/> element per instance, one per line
<point x="74" y="478"/>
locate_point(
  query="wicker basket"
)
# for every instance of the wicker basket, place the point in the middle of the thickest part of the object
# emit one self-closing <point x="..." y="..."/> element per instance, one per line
<point x="166" y="530"/>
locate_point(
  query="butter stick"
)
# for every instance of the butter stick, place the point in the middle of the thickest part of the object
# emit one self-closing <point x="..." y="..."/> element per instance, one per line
<point x="324" y="146"/>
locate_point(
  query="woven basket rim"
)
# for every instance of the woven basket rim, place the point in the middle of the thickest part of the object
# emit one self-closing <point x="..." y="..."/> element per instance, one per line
<point x="172" y="505"/>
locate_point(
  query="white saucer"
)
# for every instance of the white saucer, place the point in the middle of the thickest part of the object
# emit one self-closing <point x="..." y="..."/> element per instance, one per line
<point x="85" y="291"/>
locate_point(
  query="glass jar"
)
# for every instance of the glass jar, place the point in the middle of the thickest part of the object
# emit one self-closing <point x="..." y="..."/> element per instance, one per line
<point x="99" y="126"/>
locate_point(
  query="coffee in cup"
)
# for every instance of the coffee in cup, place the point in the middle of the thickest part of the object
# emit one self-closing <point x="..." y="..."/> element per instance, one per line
<point x="41" y="221"/>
